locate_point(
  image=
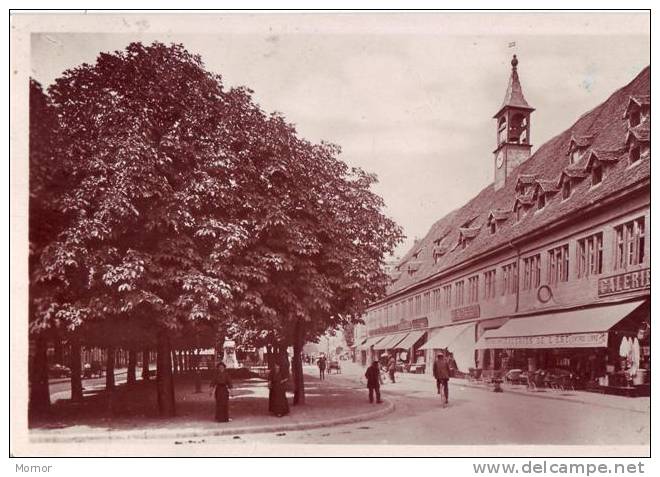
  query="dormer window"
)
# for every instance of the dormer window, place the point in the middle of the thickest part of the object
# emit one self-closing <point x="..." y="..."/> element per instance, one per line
<point x="566" y="189"/>
<point x="576" y="155"/>
<point x="634" y="153"/>
<point x="493" y="227"/>
<point x="596" y="175"/>
<point x="541" y="201"/>
<point x="577" y="147"/>
<point x="635" y="118"/>
<point x="520" y="213"/>
<point x="637" y="110"/>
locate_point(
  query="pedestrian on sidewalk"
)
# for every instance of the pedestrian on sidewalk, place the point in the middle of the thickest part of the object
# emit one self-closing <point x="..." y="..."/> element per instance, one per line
<point x="441" y="375"/>
<point x="391" y="368"/>
<point x="221" y="383"/>
<point x="277" y="402"/>
<point x="373" y="381"/>
<point x="322" y="365"/>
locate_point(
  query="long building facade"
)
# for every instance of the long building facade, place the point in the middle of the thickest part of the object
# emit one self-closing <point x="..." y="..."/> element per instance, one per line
<point x="547" y="268"/>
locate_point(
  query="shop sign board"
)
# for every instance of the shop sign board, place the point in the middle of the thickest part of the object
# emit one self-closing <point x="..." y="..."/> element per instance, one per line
<point x="465" y="313"/>
<point x="568" y="340"/>
<point x="420" y="323"/>
<point x="624" y="282"/>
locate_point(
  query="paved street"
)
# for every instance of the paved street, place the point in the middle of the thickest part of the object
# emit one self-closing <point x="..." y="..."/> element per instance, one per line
<point x="474" y="416"/>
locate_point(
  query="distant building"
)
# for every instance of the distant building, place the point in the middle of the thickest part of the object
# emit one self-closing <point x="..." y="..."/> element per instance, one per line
<point x="546" y="268"/>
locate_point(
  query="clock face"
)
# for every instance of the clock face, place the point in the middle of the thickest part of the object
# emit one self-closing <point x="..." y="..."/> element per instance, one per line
<point x="499" y="160"/>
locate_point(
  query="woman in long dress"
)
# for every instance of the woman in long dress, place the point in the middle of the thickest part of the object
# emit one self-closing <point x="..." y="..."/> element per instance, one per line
<point x="222" y="384"/>
<point x="277" y="402"/>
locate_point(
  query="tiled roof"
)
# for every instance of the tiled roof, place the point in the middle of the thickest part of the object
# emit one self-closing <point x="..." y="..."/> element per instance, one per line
<point x="499" y="214"/>
<point x="548" y="186"/>
<point x="525" y="179"/>
<point x="605" y="123"/>
<point x="572" y="172"/>
<point x="580" y="141"/>
<point x="469" y="232"/>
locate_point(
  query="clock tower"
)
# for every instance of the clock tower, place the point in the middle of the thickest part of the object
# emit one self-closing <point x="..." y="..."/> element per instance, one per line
<point x="513" y="144"/>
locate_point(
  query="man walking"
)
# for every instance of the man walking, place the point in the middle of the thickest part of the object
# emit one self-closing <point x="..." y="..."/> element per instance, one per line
<point x="391" y="368"/>
<point x="322" y="364"/>
<point x="373" y="382"/>
<point x="441" y="375"/>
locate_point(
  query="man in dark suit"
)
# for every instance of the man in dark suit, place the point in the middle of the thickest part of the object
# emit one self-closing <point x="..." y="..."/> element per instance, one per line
<point x="373" y="382"/>
<point x="441" y="375"/>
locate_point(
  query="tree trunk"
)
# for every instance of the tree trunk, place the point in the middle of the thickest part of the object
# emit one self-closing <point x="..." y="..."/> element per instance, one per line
<point x="164" y="377"/>
<point x="182" y="363"/>
<point x="58" y="351"/>
<point x="76" y="370"/>
<point x="145" y="364"/>
<point x="38" y="375"/>
<point x="132" y="364"/>
<point x="297" y="364"/>
<point x="110" y="369"/>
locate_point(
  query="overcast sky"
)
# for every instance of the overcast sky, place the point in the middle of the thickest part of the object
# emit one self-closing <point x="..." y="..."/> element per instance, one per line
<point x="409" y="97"/>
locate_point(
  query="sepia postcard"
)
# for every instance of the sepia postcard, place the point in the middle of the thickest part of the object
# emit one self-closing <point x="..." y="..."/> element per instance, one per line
<point x="337" y="233"/>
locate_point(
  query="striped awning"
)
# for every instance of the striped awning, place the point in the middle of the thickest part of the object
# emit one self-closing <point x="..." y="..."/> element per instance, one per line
<point x="390" y="341"/>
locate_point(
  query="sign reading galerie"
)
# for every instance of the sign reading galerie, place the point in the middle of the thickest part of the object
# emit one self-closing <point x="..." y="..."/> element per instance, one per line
<point x="576" y="340"/>
<point x="624" y="282"/>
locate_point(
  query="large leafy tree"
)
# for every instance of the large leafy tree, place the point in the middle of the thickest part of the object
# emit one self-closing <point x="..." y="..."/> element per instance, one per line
<point x="184" y="203"/>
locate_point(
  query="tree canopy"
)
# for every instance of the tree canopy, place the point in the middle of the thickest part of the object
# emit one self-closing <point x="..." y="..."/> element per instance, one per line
<point x="160" y="199"/>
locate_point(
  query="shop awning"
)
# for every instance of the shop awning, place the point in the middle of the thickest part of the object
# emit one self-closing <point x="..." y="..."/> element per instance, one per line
<point x="411" y="339"/>
<point x="390" y="341"/>
<point x="371" y="341"/>
<point x="445" y="336"/>
<point x="585" y="328"/>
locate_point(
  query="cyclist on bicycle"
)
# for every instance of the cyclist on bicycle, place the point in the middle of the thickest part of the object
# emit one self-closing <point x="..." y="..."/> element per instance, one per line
<point x="441" y="375"/>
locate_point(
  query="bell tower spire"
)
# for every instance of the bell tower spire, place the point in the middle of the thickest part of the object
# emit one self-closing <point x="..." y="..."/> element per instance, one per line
<point x="513" y="128"/>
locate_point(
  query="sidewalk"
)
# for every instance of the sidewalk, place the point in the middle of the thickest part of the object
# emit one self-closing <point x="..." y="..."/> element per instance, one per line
<point x="132" y="412"/>
<point x="424" y="382"/>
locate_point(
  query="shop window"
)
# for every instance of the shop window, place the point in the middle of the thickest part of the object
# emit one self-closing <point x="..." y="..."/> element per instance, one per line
<point x="590" y="256"/>
<point x="596" y="175"/>
<point x="630" y="242"/>
<point x="558" y="265"/>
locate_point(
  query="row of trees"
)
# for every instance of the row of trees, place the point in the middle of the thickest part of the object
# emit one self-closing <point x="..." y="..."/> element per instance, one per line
<point x="166" y="210"/>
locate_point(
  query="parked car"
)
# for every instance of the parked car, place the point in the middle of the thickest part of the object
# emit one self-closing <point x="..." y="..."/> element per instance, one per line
<point x="58" y="371"/>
